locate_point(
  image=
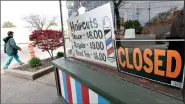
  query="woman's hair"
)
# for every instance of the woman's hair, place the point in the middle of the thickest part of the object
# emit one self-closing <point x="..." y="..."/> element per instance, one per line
<point x="10" y="33"/>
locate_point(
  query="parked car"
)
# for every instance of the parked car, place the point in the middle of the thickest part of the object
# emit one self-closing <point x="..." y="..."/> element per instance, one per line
<point x="162" y="37"/>
<point x="167" y="35"/>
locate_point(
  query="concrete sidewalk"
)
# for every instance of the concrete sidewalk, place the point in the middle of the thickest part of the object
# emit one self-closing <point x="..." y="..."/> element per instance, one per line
<point x="25" y="56"/>
<point x="21" y="91"/>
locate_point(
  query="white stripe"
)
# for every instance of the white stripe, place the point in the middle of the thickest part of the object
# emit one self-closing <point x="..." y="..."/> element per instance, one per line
<point x="93" y="97"/>
<point x="73" y="90"/>
<point x="108" y="35"/>
<point x="154" y="40"/>
<point x="61" y="83"/>
<point x="111" y="55"/>
<point x="110" y="45"/>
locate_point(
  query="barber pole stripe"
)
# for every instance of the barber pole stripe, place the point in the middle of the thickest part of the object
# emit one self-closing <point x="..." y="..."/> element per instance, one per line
<point x="76" y="93"/>
<point x="109" y="41"/>
<point x="108" y="38"/>
<point x="93" y="97"/>
<point x="111" y="55"/>
<point x="69" y="89"/>
<point x="85" y="94"/>
<point x="109" y="45"/>
<point x="61" y="83"/>
<point x="110" y="51"/>
<point x="73" y="89"/>
<point x="102" y="100"/>
<point x="108" y="34"/>
<point x="65" y="87"/>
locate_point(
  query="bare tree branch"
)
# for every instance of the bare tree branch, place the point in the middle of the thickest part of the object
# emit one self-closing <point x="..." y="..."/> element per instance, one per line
<point x="117" y="3"/>
<point x="164" y="15"/>
<point x="52" y="23"/>
<point x="96" y="4"/>
<point x="36" y="21"/>
<point x="123" y="3"/>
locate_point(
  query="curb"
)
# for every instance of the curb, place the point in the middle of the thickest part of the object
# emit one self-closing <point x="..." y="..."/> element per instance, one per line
<point x="30" y="75"/>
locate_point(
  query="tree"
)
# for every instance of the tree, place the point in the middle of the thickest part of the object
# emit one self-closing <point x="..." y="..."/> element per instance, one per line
<point x="117" y="5"/>
<point x="47" y="40"/>
<point x="72" y="7"/>
<point x="93" y="4"/>
<point x="133" y="24"/>
<point x="89" y="4"/>
<point x="8" y="24"/>
<point x="163" y="16"/>
<point x="38" y="22"/>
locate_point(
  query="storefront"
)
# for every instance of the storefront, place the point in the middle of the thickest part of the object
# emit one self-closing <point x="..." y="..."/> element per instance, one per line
<point x="139" y="71"/>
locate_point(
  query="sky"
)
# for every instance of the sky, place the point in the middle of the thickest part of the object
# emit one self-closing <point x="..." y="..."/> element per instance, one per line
<point x="156" y="7"/>
<point x="15" y="10"/>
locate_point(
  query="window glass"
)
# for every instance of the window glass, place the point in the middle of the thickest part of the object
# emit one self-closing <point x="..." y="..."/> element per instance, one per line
<point x="149" y="40"/>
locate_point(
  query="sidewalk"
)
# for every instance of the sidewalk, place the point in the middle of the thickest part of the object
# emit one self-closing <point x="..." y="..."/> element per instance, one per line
<point x="21" y="91"/>
<point x="16" y="90"/>
<point x="24" y="56"/>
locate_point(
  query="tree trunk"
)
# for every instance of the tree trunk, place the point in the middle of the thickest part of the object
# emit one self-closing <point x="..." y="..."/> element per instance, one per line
<point x="52" y="54"/>
<point x="116" y="11"/>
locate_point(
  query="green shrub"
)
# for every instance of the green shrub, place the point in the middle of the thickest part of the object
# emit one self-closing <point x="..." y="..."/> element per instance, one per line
<point x="60" y="54"/>
<point x="133" y="24"/>
<point x="34" y="62"/>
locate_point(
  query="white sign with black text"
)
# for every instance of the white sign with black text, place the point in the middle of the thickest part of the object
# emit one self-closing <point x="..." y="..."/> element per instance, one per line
<point x="92" y="36"/>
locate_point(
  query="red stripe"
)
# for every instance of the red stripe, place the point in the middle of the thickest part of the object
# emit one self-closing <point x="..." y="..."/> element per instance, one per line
<point x="59" y="84"/>
<point x="69" y="89"/>
<point x="110" y="50"/>
<point x="85" y="94"/>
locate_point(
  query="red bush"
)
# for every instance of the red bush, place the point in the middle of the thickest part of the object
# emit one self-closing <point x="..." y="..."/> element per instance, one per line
<point x="47" y="40"/>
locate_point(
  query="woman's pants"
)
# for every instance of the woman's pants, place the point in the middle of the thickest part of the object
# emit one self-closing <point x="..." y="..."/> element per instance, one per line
<point x="10" y="58"/>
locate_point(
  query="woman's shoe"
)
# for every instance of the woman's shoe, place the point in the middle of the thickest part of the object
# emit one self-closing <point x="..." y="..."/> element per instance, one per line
<point x="22" y="63"/>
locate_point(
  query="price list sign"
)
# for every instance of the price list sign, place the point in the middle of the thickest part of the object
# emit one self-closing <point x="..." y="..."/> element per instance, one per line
<point x="92" y="36"/>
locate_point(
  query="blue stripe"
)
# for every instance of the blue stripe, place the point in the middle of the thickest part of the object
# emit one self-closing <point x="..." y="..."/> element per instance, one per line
<point x="102" y="100"/>
<point x="65" y="87"/>
<point x="109" y="41"/>
<point x="78" y="92"/>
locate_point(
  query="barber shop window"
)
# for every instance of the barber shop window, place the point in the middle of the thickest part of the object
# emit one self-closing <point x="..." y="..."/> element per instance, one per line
<point x="150" y="43"/>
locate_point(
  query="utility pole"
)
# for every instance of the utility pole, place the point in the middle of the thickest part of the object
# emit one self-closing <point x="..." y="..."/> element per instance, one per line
<point x="60" y="5"/>
<point x="137" y="11"/>
<point x="79" y="4"/>
<point x="125" y="18"/>
<point x="149" y="11"/>
<point x="137" y="14"/>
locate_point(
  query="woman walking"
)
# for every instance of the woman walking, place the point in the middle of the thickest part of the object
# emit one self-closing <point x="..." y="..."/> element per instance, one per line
<point x="11" y="49"/>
